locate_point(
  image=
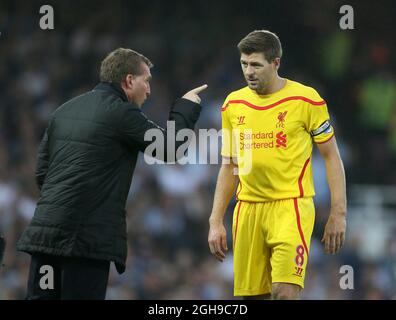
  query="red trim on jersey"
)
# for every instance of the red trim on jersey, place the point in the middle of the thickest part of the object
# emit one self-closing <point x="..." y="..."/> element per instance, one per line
<point x="250" y="105"/>
<point x="301" y="177"/>
<point x="326" y="139"/>
<point x="236" y="224"/>
<point x="299" y="225"/>
<point x="240" y="183"/>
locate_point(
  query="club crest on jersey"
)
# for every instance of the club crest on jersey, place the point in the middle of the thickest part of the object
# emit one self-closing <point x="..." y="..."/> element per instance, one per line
<point x="241" y="120"/>
<point x="281" y="119"/>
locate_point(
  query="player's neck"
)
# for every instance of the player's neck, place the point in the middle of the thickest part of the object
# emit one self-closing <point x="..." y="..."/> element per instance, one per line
<point x="277" y="84"/>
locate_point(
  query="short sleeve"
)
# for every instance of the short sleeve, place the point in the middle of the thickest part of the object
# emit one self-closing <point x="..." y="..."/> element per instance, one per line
<point x="227" y="149"/>
<point x="318" y="121"/>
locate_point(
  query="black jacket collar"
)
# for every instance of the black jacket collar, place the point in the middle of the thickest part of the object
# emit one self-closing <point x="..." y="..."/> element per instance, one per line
<point x="113" y="88"/>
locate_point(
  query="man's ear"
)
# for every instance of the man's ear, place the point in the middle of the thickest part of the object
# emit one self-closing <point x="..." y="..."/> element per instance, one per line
<point x="129" y="79"/>
<point x="277" y="63"/>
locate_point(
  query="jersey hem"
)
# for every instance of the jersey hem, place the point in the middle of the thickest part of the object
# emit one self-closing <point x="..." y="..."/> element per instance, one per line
<point x="250" y="292"/>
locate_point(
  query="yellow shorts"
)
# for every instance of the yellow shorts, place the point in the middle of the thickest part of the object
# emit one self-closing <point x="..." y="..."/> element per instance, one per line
<point x="271" y="244"/>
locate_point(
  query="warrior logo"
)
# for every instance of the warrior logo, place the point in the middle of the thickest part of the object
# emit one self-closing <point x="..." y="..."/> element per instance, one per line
<point x="241" y="120"/>
<point x="281" y="119"/>
<point x="298" y="272"/>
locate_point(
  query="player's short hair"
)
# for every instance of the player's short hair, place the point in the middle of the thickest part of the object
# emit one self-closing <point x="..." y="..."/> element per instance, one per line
<point x="263" y="41"/>
<point x="121" y="62"/>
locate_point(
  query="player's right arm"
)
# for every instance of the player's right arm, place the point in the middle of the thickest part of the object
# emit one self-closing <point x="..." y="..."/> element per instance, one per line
<point x="225" y="188"/>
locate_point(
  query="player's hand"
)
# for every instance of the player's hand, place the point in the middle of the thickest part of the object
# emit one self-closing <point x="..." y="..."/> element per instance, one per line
<point x="334" y="233"/>
<point x="193" y="96"/>
<point x="217" y="240"/>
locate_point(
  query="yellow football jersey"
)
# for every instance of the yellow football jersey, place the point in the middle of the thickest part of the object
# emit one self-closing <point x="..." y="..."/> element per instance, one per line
<point x="271" y="136"/>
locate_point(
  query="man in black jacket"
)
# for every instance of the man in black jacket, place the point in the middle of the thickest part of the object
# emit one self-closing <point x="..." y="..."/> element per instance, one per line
<point x="84" y="171"/>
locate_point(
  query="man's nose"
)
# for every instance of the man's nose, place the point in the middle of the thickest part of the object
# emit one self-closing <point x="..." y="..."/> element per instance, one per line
<point x="249" y="71"/>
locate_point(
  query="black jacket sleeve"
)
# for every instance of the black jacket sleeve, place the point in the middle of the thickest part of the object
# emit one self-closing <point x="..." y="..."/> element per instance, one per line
<point x="42" y="160"/>
<point x="137" y="131"/>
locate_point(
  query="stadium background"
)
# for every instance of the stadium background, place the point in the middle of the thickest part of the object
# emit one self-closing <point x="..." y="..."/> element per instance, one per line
<point x="191" y="44"/>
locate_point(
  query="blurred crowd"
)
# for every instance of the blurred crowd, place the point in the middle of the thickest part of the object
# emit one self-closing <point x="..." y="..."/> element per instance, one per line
<point x="191" y="44"/>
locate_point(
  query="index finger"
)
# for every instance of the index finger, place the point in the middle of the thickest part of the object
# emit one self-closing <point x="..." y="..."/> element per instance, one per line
<point x="199" y="89"/>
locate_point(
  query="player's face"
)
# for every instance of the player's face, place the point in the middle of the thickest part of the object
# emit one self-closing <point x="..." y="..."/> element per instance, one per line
<point x="138" y="86"/>
<point x="258" y="72"/>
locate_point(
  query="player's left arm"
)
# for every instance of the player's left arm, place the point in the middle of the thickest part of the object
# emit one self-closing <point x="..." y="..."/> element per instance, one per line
<point x="334" y="233"/>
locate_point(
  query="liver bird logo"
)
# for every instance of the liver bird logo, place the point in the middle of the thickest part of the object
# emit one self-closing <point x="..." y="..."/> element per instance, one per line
<point x="281" y="119"/>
